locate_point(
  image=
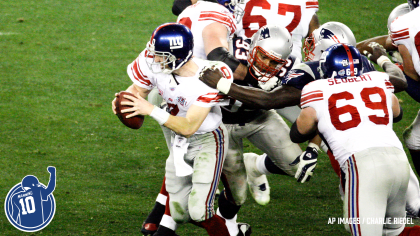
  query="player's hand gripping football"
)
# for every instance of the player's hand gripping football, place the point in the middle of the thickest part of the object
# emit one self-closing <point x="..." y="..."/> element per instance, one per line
<point x="139" y="105"/>
<point x="211" y="76"/>
<point x="377" y="51"/>
<point x="306" y="164"/>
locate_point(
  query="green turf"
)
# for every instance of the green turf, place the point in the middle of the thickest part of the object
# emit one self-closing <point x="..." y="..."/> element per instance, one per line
<point x="61" y="63"/>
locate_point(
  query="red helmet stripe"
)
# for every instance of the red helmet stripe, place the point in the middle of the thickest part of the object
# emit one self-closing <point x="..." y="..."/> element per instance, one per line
<point x="157" y="29"/>
<point x="350" y="59"/>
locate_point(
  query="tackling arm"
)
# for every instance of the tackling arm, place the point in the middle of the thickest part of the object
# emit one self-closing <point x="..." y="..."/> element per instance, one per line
<point x="378" y="56"/>
<point x="283" y="96"/>
<point x="280" y="97"/>
<point x="383" y="40"/>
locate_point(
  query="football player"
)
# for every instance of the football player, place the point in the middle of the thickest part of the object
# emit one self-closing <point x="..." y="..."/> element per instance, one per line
<point x="359" y="133"/>
<point x="196" y="158"/>
<point x="212" y="24"/>
<point x="404" y="35"/>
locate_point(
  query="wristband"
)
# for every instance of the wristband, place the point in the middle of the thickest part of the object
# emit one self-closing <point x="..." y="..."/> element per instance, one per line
<point x="313" y="145"/>
<point x="381" y="60"/>
<point x="159" y="115"/>
<point x="224" y="85"/>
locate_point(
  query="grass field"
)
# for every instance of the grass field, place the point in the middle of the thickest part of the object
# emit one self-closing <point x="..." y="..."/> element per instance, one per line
<point x="61" y="63"/>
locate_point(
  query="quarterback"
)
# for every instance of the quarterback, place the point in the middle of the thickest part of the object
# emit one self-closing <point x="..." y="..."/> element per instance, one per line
<point x="199" y="140"/>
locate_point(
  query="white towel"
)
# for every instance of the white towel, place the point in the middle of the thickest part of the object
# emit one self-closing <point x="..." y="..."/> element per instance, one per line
<point x="179" y="148"/>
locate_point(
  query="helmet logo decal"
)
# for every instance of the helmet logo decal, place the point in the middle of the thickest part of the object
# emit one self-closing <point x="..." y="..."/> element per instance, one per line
<point x="327" y="34"/>
<point x="176" y="42"/>
<point x="345" y="62"/>
<point x="265" y="33"/>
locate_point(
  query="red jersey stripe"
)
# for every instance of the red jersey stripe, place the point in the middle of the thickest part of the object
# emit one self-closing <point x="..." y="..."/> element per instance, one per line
<point x="309" y="101"/>
<point x="138" y="74"/>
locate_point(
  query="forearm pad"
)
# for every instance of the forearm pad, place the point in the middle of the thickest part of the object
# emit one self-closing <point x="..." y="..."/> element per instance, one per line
<point x="399" y="117"/>
<point x="297" y="137"/>
<point x="179" y="5"/>
<point x="223" y="55"/>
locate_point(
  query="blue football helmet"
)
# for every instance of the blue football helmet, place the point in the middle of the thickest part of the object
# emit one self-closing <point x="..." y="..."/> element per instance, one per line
<point x="413" y="4"/>
<point x="340" y="61"/>
<point x="29" y="182"/>
<point x="169" y="48"/>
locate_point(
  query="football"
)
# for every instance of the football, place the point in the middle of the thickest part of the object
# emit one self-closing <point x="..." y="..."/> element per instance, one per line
<point x="134" y="122"/>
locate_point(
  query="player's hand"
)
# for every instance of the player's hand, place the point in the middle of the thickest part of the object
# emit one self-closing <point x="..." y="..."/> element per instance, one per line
<point x="211" y="76"/>
<point x="306" y="164"/>
<point x="51" y="169"/>
<point x="377" y="51"/>
<point x="271" y="84"/>
<point x="113" y="104"/>
<point x="140" y="106"/>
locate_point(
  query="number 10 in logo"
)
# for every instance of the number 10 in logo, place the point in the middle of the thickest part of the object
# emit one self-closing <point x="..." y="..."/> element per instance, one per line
<point x="30" y="205"/>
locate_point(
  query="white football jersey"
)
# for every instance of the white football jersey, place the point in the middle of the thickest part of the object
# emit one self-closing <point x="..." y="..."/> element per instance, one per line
<point x="354" y="113"/>
<point x="198" y="16"/>
<point x="295" y="15"/>
<point x="182" y="92"/>
<point x="405" y="30"/>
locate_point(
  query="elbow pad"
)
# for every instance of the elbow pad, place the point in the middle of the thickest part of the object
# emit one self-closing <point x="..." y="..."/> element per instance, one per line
<point x="399" y="117"/>
<point x="297" y="137"/>
<point x="223" y="55"/>
<point x="179" y="5"/>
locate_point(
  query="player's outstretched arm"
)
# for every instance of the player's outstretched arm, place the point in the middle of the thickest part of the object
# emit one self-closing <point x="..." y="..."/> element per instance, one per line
<point x="51" y="183"/>
<point x="280" y="97"/>
<point x="383" y="40"/>
<point x="379" y="56"/>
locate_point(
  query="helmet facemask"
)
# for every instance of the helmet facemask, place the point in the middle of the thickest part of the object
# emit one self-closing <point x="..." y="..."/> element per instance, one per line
<point x="238" y="11"/>
<point x="161" y="62"/>
<point x="309" y="47"/>
<point x="262" y="71"/>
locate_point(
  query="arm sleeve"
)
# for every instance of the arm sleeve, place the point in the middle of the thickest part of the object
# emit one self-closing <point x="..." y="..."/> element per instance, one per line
<point x="139" y="72"/>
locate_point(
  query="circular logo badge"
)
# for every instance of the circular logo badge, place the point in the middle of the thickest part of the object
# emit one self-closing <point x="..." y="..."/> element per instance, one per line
<point x="30" y="205"/>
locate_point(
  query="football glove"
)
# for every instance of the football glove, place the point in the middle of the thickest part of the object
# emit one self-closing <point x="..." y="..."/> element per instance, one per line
<point x="271" y="84"/>
<point x="306" y="163"/>
<point x="396" y="57"/>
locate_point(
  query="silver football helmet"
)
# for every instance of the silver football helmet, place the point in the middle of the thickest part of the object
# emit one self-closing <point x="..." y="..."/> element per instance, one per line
<point x="398" y="11"/>
<point x="270" y="47"/>
<point x="326" y="35"/>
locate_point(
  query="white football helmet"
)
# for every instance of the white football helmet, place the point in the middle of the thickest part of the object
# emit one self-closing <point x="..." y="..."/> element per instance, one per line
<point x="398" y="11"/>
<point x="273" y="43"/>
<point x="326" y="35"/>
